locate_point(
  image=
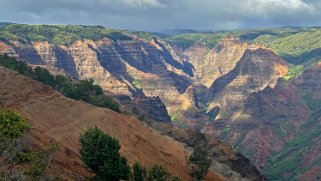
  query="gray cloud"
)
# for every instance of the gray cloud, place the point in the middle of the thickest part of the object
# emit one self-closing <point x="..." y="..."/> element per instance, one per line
<point x="165" y="14"/>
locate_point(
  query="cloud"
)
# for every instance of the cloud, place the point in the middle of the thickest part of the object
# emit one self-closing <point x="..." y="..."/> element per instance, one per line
<point x="144" y="3"/>
<point x="165" y="14"/>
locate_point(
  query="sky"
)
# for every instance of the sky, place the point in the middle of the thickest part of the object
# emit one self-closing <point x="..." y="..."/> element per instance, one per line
<point x="156" y="15"/>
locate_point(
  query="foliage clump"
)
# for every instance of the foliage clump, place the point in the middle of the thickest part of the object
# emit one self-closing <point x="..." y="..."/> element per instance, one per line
<point x="199" y="163"/>
<point x="100" y="153"/>
<point x="12" y="126"/>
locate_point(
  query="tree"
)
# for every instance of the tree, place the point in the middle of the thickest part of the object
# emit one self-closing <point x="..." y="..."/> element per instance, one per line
<point x="12" y="125"/>
<point x="100" y="153"/>
<point x="139" y="172"/>
<point x="199" y="163"/>
<point x="44" y="76"/>
<point x="12" y="129"/>
<point x="158" y="173"/>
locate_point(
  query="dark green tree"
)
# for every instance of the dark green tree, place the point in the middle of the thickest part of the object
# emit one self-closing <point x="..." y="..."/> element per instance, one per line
<point x="44" y="76"/>
<point x="100" y="153"/>
<point x="199" y="163"/>
<point x="158" y="173"/>
<point x="139" y="172"/>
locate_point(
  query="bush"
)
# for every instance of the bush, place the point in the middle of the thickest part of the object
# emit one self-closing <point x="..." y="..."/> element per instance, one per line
<point x="12" y="130"/>
<point x="158" y="173"/>
<point x="139" y="172"/>
<point x="199" y="163"/>
<point x="100" y="153"/>
<point x="12" y="125"/>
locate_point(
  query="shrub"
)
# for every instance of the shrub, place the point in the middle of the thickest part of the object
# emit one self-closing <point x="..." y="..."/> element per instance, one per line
<point x="12" y="129"/>
<point x="158" y="173"/>
<point x="139" y="172"/>
<point x="199" y="163"/>
<point x="12" y="125"/>
<point x="100" y="153"/>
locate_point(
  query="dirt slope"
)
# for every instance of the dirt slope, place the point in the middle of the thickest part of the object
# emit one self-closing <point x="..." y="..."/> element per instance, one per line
<point x="55" y="118"/>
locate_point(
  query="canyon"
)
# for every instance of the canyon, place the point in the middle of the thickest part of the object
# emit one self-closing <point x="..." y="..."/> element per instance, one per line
<point x="235" y="91"/>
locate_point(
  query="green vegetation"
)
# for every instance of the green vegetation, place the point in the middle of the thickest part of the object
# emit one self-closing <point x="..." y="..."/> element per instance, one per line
<point x="59" y="34"/>
<point x="14" y="151"/>
<point x="158" y="173"/>
<point x="154" y="173"/>
<point x="144" y="35"/>
<point x="39" y="160"/>
<point x="294" y="71"/>
<point x="186" y="40"/>
<point x="100" y="153"/>
<point x="84" y="90"/>
<point x="199" y="163"/>
<point x="297" y="48"/>
<point x="137" y="83"/>
<point x="139" y="172"/>
<point x="12" y="126"/>
<point x="12" y="130"/>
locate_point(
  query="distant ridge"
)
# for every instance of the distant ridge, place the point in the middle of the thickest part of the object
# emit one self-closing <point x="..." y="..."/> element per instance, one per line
<point x="181" y="31"/>
<point x="4" y="24"/>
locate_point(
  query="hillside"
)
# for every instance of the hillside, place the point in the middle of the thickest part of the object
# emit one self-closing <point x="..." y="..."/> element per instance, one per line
<point x="54" y="117"/>
<point x="57" y="119"/>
